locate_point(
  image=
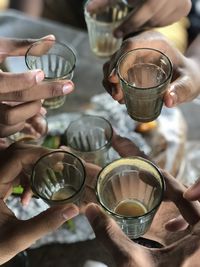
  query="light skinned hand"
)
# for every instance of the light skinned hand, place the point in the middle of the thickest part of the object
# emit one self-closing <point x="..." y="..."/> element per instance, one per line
<point x="26" y="88"/>
<point x="185" y="84"/>
<point x="146" y="14"/>
<point x="126" y="253"/>
<point x="17" y="235"/>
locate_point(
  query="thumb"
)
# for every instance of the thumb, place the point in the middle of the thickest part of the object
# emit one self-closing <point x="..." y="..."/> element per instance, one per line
<point x="106" y="229"/>
<point x="31" y="230"/>
<point x="180" y="91"/>
<point x="176" y="224"/>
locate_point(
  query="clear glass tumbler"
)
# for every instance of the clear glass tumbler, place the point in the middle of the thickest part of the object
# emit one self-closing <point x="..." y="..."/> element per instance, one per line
<point x="144" y="74"/>
<point x="101" y="25"/>
<point x="89" y="137"/>
<point x="131" y="190"/>
<point x="57" y="60"/>
<point x="58" y="178"/>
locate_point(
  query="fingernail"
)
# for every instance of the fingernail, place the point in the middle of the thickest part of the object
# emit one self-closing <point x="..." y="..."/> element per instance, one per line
<point x="70" y="212"/>
<point x="49" y="37"/>
<point x="39" y="75"/>
<point x="174" y="98"/>
<point x="67" y="88"/>
<point x="92" y="212"/>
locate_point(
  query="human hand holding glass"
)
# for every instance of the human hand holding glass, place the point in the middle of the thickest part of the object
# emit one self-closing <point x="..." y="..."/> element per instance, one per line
<point x="185" y="82"/>
<point x="26" y="89"/>
<point x="145" y="14"/>
<point x="15" y="160"/>
<point x="57" y="60"/>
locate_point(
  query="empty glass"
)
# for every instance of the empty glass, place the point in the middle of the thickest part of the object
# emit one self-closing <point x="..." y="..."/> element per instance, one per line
<point x="144" y="74"/>
<point x="101" y="25"/>
<point x="89" y="137"/>
<point x="57" y="60"/>
<point x="58" y="178"/>
<point x="131" y="190"/>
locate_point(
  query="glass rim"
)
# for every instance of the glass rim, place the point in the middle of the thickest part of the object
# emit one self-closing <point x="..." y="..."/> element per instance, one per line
<point x="56" y="42"/>
<point x="88" y="16"/>
<point x="118" y="216"/>
<point x="96" y="150"/>
<point x="61" y="200"/>
<point x="122" y="57"/>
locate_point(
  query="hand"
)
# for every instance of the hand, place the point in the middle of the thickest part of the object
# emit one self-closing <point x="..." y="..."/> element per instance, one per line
<point x="185" y="84"/>
<point x="174" y="190"/>
<point x="146" y="14"/>
<point x="183" y="253"/>
<point x="25" y="88"/>
<point x="15" y="162"/>
<point x="17" y="235"/>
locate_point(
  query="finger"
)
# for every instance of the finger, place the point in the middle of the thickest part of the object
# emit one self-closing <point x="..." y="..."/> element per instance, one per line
<point x="193" y="192"/>
<point x="92" y="171"/>
<point x="126" y="147"/>
<point x="15" y="82"/>
<point x="25" y="233"/>
<point x="43" y="90"/>
<point x="20" y="156"/>
<point x="11" y="115"/>
<point x="176" y="224"/>
<point x="27" y="193"/>
<point x="18" y="47"/>
<point x="6" y="131"/>
<point x="107" y="231"/>
<point x="180" y="91"/>
<point x="174" y="192"/>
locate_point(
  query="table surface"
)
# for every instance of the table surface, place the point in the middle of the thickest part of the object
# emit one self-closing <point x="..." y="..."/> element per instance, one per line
<point x="87" y="77"/>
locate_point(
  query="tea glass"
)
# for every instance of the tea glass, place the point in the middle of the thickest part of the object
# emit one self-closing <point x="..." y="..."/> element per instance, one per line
<point x="101" y="25"/>
<point x="144" y="74"/>
<point x="56" y="59"/>
<point x="131" y="190"/>
<point x="89" y="137"/>
<point x="58" y="177"/>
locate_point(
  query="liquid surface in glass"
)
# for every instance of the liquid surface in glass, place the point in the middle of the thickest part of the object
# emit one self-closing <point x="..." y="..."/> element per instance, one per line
<point x="63" y="193"/>
<point x="131" y="208"/>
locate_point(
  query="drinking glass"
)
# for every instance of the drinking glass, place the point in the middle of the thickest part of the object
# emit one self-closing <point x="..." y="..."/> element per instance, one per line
<point x="89" y="137"/>
<point x="101" y="25"/>
<point x="144" y="74"/>
<point x="131" y="190"/>
<point x="34" y="131"/>
<point x="56" y="59"/>
<point x="58" y="178"/>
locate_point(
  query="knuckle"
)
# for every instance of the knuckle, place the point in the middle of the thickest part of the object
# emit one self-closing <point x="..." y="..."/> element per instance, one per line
<point x="54" y="91"/>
